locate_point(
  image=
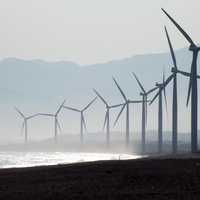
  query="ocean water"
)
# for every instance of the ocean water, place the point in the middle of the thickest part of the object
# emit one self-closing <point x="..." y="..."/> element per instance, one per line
<point x="30" y="159"/>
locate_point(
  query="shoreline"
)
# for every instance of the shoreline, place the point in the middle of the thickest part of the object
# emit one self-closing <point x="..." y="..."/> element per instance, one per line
<point x="145" y="178"/>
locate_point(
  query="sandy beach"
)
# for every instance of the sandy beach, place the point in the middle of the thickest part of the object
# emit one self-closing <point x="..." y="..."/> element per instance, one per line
<point x="148" y="178"/>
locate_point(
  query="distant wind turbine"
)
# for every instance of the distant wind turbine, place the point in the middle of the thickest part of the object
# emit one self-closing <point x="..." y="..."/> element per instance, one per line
<point x="173" y="77"/>
<point x="82" y="120"/>
<point x="144" y="95"/>
<point x="107" y="116"/>
<point x="25" y="123"/>
<point x="56" y="122"/>
<point x="192" y="85"/>
<point x="160" y="112"/>
<point x="126" y="104"/>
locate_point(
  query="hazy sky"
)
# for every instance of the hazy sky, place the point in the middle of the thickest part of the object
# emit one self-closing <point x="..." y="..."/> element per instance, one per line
<point x="90" y="31"/>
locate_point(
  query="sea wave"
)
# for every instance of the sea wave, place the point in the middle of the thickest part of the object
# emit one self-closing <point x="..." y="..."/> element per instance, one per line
<point x="30" y="159"/>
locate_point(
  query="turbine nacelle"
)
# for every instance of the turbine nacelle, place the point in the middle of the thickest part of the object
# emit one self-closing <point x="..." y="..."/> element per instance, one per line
<point x="193" y="47"/>
<point x="158" y="84"/>
<point x="174" y="70"/>
<point x="141" y="94"/>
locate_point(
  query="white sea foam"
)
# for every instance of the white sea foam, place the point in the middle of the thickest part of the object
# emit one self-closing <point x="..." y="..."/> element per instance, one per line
<point x="29" y="159"/>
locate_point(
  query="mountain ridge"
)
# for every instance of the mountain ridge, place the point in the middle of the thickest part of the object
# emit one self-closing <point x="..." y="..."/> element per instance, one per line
<point x="39" y="86"/>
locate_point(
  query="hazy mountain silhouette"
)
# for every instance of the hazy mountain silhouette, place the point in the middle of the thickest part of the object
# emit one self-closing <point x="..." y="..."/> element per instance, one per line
<point x="40" y="86"/>
<point x="20" y="79"/>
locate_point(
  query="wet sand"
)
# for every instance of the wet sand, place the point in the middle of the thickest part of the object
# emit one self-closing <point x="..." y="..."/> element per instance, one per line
<point x="155" y="178"/>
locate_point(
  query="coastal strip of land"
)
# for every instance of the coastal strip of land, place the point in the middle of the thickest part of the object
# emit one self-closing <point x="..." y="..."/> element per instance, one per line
<point x="147" y="178"/>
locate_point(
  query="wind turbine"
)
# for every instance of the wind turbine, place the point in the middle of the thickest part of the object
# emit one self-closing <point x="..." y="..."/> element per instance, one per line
<point x="126" y="104"/>
<point x="107" y="116"/>
<point x="173" y="77"/>
<point x="160" y="112"/>
<point x="25" y="123"/>
<point x="56" y="122"/>
<point x="144" y="95"/>
<point x="82" y="118"/>
<point x="192" y="85"/>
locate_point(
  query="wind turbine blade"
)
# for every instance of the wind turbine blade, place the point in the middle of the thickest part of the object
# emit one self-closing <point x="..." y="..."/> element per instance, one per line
<point x="163" y="88"/>
<point x="166" y="105"/>
<point x="152" y="90"/>
<point x="22" y="128"/>
<point x="190" y="86"/>
<point x="163" y="76"/>
<point x="118" y="105"/>
<point x="135" y="101"/>
<point x="105" y="120"/>
<point x="60" y="107"/>
<point x="139" y="83"/>
<point x="168" y="80"/>
<point x="189" y="91"/>
<point x="155" y="97"/>
<point x="97" y="93"/>
<point x="84" y="123"/>
<point x="171" y="48"/>
<point x="70" y="108"/>
<point x="32" y="116"/>
<point x="44" y="114"/>
<point x="179" y="28"/>
<point x="119" y="115"/>
<point x="58" y="124"/>
<point x="187" y="74"/>
<point x="90" y="104"/>
<point x="164" y="91"/>
<point x="121" y="91"/>
<point x="21" y="114"/>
